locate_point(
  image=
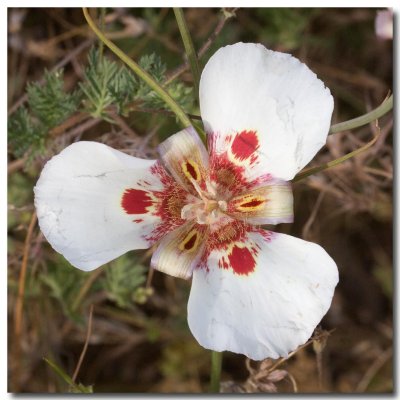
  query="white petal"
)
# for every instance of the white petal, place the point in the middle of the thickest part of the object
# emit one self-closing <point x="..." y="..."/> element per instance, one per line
<point x="384" y="24"/>
<point x="86" y="204"/>
<point x="245" y="89"/>
<point x="267" y="311"/>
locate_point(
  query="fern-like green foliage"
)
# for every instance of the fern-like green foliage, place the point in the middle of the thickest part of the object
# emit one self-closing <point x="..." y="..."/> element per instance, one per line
<point x="106" y="84"/>
<point x="122" y="278"/>
<point x="122" y="89"/>
<point x="100" y="74"/>
<point x="49" y="105"/>
<point x="49" y="102"/>
<point x="63" y="283"/>
<point x="24" y="134"/>
<point x="156" y="68"/>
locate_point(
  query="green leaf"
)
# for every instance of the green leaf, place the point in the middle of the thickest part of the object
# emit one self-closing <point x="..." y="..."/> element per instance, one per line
<point x="123" y="276"/>
<point x="63" y="283"/>
<point x="182" y="94"/>
<point x="73" y="387"/>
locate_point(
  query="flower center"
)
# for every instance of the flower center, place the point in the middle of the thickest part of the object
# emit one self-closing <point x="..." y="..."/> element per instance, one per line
<point x="206" y="209"/>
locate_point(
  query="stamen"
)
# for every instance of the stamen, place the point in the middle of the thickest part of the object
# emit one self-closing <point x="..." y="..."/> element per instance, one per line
<point x="205" y="210"/>
<point x="198" y="189"/>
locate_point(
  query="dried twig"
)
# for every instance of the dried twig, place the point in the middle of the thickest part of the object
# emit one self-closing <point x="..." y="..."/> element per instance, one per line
<point x="182" y="68"/>
<point x="85" y="288"/>
<point x="16" y="165"/>
<point x="83" y="127"/>
<point x="22" y="277"/>
<point x="85" y="346"/>
<point x="283" y="360"/>
<point x="61" y="64"/>
<point x="311" y="218"/>
<point x="123" y="125"/>
<point x="19" y="306"/>
<point x="69" y="123"/>
<point x="373" y="369"/>
<point x="293" y="381"/>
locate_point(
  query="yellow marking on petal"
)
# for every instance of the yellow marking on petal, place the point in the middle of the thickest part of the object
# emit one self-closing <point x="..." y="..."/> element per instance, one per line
<point x="191" y="242"/>
<point x="191" y="170"/>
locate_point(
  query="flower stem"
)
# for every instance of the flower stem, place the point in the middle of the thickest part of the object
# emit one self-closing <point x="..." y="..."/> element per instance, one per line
<point x="311" y="171"/>
<point x="189" y="48"/>
<point x="102" y="25"/>
<point x="365" y="119"/>
<point x="146" y="77"/>
<point x="216" y="363"/>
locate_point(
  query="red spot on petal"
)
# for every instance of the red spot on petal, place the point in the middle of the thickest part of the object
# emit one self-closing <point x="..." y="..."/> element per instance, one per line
<point x="267" y="235"/>
<point x="242" y="260"/>
<point x="222" y="263"/>
<point x="138" y="221"/>
<point x="244" y="145"/>
<point x="135" y="201"/>
<point x="191" y="171"/>
<point x="191" y="242"/>
<point x="168" y="204"/>
<point x="252" y="203"/>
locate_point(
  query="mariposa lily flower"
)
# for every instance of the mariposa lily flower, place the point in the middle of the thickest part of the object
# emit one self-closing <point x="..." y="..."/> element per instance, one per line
<point x="254" y="291"/>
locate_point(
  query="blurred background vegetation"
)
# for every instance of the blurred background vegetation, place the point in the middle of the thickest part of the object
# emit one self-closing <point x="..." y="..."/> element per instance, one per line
<point x="62" y="88"/>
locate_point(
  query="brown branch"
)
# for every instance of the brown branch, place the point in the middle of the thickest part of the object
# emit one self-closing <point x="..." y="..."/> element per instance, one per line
<point x="68" y="123"/>
<point x="18" y="164"/>
<point x="373" y="370"/>
<point x="290" y="355"/>
<point x="61" y="64"/>
<point x="216" y="32"/>
<point x="85" y="288"/>
<point x="15" y="165"/>
<point x="83" y="127"/>
<point x="19" y="305"/>
<point x="122" y="124"/>
<point x="22" y="275"/>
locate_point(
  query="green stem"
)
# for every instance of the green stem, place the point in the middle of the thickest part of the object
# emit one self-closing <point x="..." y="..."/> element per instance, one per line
<point x="216" y="363"/>
<point x="365" y="119"/>
<point x="189" y="48"/>
<point x="62" y="374"/>
<point x="102" y="24"/>
<point x="146" y="77"/>
<point x="311" y="171"/>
